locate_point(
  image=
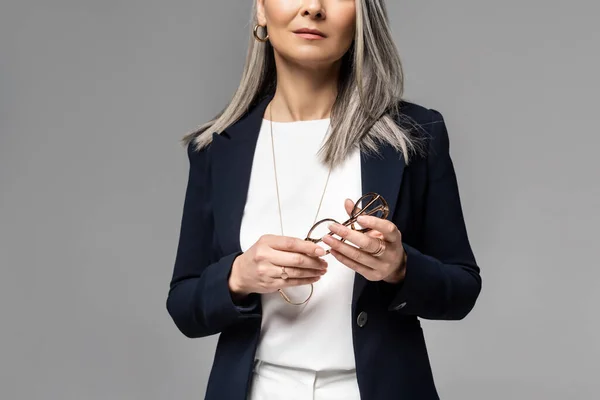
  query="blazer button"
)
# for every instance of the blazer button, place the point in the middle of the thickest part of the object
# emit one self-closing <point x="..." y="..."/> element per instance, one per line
<point x="400" y="306"/>
<point x="362" y="319"/>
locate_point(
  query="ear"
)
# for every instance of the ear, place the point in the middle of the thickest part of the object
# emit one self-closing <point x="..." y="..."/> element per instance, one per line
<point x="260" y="13"/>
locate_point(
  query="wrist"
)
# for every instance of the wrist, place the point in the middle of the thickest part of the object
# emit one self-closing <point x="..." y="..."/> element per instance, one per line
<point x="398" y="275"/>
<point x="235" y="287"/>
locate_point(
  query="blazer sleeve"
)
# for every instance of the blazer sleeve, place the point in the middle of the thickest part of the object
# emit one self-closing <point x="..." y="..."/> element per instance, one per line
<point x="442" y="279"/>
<point x="199" y="300"/>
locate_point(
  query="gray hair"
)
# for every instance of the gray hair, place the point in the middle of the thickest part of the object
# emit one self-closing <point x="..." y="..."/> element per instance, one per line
<point x="366" y="110"/>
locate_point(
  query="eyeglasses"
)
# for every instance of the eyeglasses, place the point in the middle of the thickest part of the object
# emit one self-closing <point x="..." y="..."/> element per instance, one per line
<point x="369" y="204"/>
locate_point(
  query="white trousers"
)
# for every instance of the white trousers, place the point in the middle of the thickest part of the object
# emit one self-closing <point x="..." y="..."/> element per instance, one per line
<point x="274" y="382"/>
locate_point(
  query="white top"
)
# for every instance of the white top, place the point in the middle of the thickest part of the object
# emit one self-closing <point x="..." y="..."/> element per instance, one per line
<point x="318" y="334"/>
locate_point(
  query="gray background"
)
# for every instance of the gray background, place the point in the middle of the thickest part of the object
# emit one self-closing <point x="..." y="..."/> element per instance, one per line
<point x="94" y="96"/>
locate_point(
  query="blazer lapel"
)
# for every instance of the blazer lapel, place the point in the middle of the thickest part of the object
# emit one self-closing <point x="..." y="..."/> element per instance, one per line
<point x="232" y="155"/>
<point x="381" y="174"/>
<point x="231" y="163"/>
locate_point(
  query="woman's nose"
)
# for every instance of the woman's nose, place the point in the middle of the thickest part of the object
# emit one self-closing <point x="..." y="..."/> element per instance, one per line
<point x="313" y="9"/>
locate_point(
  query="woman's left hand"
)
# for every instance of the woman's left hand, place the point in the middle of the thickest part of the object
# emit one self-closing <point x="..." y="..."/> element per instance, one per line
<point x="390" y="266"/>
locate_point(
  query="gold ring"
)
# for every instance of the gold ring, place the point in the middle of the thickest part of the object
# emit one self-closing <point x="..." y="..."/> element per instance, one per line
<point x="380" y="250"/>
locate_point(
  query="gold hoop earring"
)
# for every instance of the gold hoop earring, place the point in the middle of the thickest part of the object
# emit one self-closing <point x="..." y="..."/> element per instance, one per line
<point x="258" y="37"/>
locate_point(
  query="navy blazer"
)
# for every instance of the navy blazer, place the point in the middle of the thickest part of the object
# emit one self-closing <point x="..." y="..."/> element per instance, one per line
<point x="442" y="279"/>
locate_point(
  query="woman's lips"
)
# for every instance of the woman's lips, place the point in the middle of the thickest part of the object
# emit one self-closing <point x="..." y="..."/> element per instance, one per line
<point x="311" y="36"/>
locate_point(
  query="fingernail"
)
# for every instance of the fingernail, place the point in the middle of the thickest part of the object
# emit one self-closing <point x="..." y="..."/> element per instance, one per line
<point x="361" y="218"/>
<point x="319" y="251"/>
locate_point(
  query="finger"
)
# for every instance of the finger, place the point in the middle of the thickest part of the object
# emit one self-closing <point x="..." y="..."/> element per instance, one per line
<point x="293" y="244"/>
<point x="275" y="272"/>
<point x="388" y="229"/>
<point x="375" y="234"/>
<point x="289" y="259"/>
<point x="349" y="205"/>
<point x="355" y="254"/>
<point x="362" y="269"/>
<point x="366" y="242"/>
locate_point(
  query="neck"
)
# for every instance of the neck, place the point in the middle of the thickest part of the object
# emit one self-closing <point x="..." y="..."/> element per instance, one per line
<point x="302" y="93"/>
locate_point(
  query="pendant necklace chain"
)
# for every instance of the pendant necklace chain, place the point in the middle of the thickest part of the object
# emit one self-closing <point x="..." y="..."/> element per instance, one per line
<point x="277" y="185"/>
<point x="281" y="292"/>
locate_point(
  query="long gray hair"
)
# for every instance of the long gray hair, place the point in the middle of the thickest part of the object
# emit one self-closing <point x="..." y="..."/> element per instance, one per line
<point x="367" y="107"/>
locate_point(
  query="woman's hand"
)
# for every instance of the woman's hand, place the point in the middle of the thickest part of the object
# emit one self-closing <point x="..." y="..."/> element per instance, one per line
<point x="259" y="269"/>
<point x="390" y="266"/>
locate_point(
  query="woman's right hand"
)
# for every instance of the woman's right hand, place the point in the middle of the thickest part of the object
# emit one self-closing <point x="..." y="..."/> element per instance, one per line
<point x="258" y="270"/>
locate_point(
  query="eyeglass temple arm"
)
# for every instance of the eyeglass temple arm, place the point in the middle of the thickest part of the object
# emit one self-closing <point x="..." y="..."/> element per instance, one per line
<point x="353" y="219"/>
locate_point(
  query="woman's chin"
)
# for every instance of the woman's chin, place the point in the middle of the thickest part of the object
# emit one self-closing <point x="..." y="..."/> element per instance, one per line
<point x="311" y="59"/>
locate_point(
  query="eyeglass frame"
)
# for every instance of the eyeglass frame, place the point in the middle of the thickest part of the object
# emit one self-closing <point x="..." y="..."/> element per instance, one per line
<point x="384" y="208"/>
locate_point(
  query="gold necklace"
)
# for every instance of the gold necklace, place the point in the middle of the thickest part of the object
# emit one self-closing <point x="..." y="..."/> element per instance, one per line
<point x="285" y="297"/>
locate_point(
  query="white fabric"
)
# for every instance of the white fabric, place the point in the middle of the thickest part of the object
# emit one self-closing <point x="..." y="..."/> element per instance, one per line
<point x="273" y="382"/>
<point x="318" y="334"/>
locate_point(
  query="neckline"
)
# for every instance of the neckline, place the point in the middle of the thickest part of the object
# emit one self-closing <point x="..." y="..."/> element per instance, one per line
<point x="299" y="122"/>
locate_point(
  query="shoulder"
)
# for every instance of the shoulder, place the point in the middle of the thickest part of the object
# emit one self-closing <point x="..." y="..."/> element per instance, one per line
<point x="418" y="114"/>
<point x="424" y="123"/>
<point x="198" y="154"/>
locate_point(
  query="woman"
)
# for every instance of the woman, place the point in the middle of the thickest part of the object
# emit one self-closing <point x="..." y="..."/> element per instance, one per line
<point x="317" y="122"/>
